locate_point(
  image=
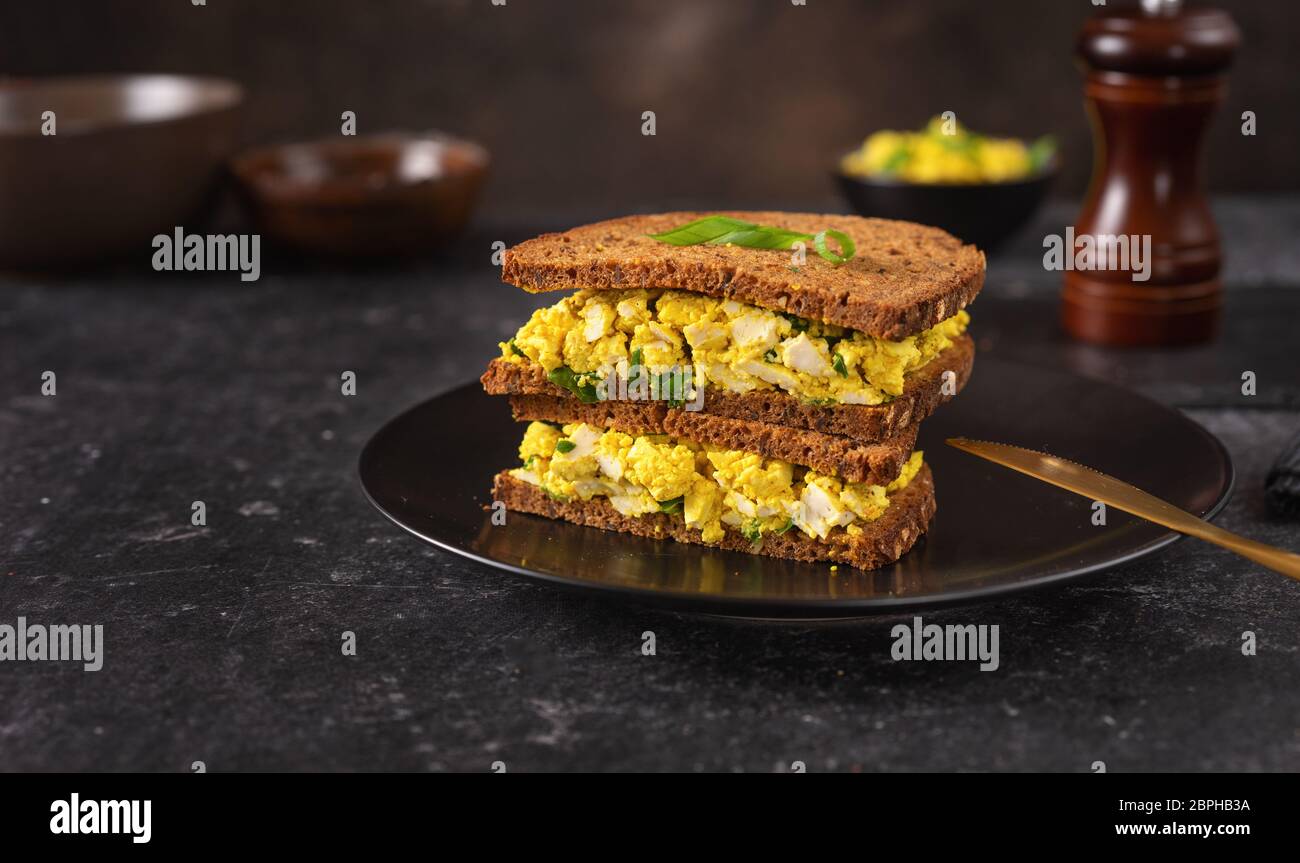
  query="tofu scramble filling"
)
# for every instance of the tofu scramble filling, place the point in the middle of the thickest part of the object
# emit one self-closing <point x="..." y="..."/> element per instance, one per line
<point x="712" y="489"/>
<point x="735" y="346"/>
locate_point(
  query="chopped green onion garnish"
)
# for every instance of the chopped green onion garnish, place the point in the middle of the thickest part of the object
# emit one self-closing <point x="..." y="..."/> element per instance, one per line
<point x="798" y="324"/>
<point x="847" y="249"/>
<point x="578" y="384"/>
<point x="565" y="445"/>
<point x="724" y="230"/>
<point x="896" y="161"/>
<point x="1041" y="153"/>
<point x="672" y="389"/>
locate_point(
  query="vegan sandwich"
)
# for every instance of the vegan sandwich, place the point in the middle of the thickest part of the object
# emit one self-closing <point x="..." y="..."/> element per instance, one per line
<point x="734" y="379"/>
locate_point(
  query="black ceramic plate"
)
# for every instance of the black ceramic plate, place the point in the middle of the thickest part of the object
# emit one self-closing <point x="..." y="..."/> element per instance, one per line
<point x="430" y="471"/>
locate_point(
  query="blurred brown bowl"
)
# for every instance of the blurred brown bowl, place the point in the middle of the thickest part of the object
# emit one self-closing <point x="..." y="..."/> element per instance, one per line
<point x="132" y="156"/>
<point x="391" y="194"/>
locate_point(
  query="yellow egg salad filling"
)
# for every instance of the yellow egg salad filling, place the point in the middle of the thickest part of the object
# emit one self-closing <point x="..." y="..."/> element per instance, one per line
<point x="712" y="489"/>
<point x="735" y="346"/>
<point x="947" y="153"/>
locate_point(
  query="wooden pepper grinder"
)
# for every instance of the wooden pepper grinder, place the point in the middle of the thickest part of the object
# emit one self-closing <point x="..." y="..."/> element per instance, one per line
<point x="1154" y="76"/>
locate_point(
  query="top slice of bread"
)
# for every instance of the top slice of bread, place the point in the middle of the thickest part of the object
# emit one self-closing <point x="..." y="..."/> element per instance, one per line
<point x="904" y="278"/>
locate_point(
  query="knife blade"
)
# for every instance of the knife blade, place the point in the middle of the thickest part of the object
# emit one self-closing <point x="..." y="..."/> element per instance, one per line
<point x="1096" y="485"/>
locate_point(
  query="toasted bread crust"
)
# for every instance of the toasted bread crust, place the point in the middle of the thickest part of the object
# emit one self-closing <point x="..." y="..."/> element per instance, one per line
<point x="904" y="278"/>
<point x="877" y="463"/>
<point x="923" y="391"/>
<point x="881" y="542"/>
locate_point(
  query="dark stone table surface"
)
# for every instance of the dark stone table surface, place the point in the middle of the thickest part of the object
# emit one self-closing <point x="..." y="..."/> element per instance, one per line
<point x="223" y="642"/>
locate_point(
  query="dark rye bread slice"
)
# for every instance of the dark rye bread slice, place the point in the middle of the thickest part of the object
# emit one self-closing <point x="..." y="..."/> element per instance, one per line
<point x="923" y="391"/>
<point x="904" y="278"/>
<point x="881" y="542"/>
<point x="876" y="463"/>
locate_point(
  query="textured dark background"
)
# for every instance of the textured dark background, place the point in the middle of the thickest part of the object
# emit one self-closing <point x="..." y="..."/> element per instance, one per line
<point x="755" y="99"/>
<point x="222" y="643"/>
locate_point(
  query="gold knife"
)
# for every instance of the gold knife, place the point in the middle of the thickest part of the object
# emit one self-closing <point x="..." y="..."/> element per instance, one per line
<point x="1112" y="492"/>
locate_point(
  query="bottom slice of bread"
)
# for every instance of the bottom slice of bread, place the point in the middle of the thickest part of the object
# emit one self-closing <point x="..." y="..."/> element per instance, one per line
<point x="881" y="542"/>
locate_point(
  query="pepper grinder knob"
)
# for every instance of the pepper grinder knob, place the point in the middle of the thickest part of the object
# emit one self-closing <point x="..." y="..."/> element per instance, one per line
<point x="1153" y="76"/>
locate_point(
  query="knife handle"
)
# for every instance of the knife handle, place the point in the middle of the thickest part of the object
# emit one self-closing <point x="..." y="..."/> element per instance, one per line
<point x="1275" y="559"/>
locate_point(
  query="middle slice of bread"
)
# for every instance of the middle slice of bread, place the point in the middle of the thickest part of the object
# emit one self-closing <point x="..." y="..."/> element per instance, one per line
<point x="861" y="443"/>
<point x="875" y="463"/>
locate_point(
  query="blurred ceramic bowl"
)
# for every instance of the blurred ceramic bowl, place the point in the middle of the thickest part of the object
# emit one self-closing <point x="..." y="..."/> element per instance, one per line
<point x="390" y="194"/>
<point x="985" y="214"/>
<point x="131" y="156"/>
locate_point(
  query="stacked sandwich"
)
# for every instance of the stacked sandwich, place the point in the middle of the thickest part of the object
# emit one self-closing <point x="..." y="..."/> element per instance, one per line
<point x="714" y="379"/>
